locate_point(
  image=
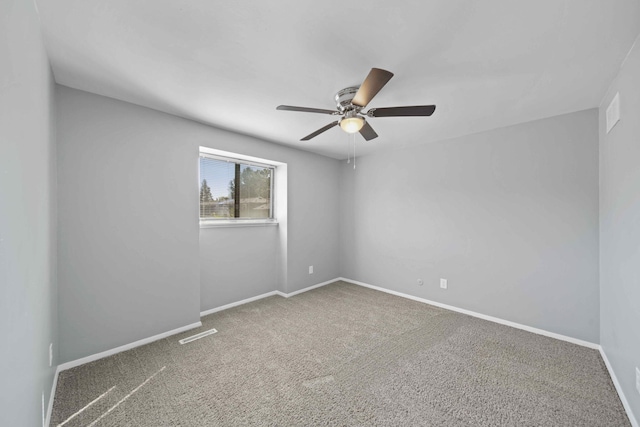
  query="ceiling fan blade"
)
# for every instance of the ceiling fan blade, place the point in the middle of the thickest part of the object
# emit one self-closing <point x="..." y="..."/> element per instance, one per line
<point x="319" y="131"/>
<point x="305" y="109"/>
<point x="367" y="132"/>
<point x="418" y="110"/>
<point x="375" y="81"/>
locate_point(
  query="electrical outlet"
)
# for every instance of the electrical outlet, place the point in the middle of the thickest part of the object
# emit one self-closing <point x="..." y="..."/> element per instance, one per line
<point x="443" y="283"/>
<point x="420" y="282"/>
<point x="311" y="269"/>
<point x="638" y="379"/>
<point x="50" y="354"/>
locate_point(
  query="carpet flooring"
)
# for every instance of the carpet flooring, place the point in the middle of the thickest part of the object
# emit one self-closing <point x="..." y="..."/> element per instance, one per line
<point x="343" y="355"/>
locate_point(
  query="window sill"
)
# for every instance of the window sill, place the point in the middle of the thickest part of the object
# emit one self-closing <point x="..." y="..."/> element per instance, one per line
<point x="239" y="223"/>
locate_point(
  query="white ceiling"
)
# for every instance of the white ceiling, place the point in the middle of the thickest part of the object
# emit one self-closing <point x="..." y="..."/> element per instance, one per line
<point x="485" y="64"/>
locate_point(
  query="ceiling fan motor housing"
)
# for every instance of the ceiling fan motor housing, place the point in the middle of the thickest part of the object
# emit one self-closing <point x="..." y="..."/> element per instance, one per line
<point x="344" y="97"/>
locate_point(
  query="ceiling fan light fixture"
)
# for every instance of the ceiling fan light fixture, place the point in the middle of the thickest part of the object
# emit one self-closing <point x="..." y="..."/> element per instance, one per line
<point x="352" y="124"/>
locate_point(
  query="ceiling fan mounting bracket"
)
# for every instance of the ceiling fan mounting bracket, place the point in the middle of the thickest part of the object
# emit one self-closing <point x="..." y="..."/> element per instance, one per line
<point x="344" y="97"/>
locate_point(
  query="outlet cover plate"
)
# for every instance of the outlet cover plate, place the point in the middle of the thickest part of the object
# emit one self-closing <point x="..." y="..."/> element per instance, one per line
<point x="311" y="269"/>
<point x="443" y="283"/>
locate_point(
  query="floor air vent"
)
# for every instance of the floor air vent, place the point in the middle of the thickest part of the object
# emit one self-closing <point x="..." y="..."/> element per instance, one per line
<point x="197" y="336"/>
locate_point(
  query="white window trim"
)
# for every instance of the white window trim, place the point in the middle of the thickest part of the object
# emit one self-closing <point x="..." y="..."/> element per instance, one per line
<point x="214" y="223"/>
<point x="230" y="159"/>
<point x="247" y="160"/>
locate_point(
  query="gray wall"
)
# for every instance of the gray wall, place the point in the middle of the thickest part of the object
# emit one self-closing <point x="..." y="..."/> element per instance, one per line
<point x="509" y="217"/>
<point x="237" y="263"/>
<point x="311" y="223"/>
<point x="133" y="262"/>
<point x="28" y="304"/>
<point x="128" y="223"/>
<point x="620" y="230"/>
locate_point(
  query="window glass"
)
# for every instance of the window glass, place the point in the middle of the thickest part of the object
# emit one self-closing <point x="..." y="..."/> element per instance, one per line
<point x="232" y="189"/>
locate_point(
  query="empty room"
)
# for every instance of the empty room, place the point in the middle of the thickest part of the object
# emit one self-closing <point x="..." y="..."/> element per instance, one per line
<point x="319" y="213"/>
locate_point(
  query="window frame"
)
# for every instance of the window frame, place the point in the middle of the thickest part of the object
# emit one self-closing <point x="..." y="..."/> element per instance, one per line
<point x="239" y="222"/>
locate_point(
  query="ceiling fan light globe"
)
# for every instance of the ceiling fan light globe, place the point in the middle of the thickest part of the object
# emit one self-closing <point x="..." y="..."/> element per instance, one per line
<point x="352" y="124"/>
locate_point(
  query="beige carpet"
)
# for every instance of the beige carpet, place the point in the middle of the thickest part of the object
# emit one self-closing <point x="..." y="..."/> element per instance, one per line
<point x="343" y="355"/>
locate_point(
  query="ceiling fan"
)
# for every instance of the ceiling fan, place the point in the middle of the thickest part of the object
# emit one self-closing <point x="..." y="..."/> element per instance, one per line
<point x="352" y="100"/>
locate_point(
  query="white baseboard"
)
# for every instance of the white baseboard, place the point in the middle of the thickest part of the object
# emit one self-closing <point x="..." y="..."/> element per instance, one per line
<point x="290" y="294"/>
<point x="103" y="354"/>
<point x="237" y="303"/>
<point x="268" y="294"/>
<point x="623" y="398"/>
<point x="51" y="396"/>
<point x="479" y="315"/>
<point x="82" y="361"/>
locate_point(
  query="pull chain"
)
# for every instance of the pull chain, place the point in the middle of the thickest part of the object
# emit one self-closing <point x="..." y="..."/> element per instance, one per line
<point x="351" y="140"/>
<point x="348" y="150"/>
<point x="354" y="150"/>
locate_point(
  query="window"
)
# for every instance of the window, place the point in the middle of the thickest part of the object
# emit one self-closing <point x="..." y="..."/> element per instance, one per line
<point x="235" y="191"/>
